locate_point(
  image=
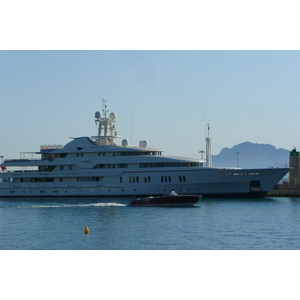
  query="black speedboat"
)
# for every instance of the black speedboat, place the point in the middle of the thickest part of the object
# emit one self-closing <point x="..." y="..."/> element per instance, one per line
<point x="167" y="200"/>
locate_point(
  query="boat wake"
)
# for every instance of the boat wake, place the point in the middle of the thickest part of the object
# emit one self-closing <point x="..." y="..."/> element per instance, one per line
<point x="103" y="204"/>
<point x="63" y="205"/>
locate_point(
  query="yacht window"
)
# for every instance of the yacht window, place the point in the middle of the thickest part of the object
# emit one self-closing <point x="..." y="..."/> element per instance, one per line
<point x="182" y="178"/>
<point x="122" y="165"/>
<point x="100" y="167"/>
<point x="46" y="168"/>
<point x="133" y="179"/>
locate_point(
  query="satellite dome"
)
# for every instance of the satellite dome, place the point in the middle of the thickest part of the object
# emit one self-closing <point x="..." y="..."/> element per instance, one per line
<point x="143" y="144"/>
<point x="125" y="143"/>
<point x="97" y="115"/>
<point x="112" y="116"/>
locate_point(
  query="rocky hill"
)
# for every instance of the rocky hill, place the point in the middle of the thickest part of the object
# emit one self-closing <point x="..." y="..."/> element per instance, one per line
<point x="252" y="155"/>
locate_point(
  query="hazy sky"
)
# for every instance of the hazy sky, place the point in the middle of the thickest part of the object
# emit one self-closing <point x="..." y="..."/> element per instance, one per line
<point x="164" y="97"/>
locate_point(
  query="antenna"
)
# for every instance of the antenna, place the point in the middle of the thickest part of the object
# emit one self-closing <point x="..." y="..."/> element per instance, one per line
<point x="104" y="110"/>
<point x="204" y="124"/>
<point x="208" y="128"/>
<point x="132" y="125"/>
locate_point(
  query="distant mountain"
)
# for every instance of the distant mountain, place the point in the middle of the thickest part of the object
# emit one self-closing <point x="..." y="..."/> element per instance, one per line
<point x="252" y="155"/>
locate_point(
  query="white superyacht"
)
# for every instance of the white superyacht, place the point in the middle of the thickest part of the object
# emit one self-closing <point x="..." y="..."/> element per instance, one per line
<point x="98" y="167"/>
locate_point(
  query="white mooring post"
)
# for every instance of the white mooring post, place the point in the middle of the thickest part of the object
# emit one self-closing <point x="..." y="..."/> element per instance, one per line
<point x="208" y="149"/>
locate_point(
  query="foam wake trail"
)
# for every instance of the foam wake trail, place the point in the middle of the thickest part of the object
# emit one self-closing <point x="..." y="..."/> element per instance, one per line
<point x="63" y="205"/>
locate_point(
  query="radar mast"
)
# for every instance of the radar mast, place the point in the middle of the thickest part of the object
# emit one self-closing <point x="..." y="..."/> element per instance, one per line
<point x="105" y="125"/>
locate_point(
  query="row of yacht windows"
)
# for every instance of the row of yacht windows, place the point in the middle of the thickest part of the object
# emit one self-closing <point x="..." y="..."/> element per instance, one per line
<point x="52" y="179"/>
<point x="131" y="179"/>
<point x="41" y="191"/>
<point x="110" y="166"/>
<point x="123" y="153"/>
<point x="170" y="164"/>
<point x="147" y="179"/>
<point x="70" y="167"/>
<point x="136" y="179"/>
<point x="122" y="166"/>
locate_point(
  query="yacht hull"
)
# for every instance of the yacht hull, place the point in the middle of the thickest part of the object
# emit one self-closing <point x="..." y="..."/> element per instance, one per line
<point x="208" y="182"/>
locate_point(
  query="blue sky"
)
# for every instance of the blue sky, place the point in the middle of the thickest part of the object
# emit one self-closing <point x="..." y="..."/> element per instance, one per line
<point x="164" y="97"/>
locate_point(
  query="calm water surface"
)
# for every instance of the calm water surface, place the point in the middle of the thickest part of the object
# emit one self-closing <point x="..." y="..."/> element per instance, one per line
<point x="213" y="224"/>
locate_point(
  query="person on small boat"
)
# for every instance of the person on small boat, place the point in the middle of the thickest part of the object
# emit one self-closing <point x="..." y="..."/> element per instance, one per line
<point x="172" y="193"/>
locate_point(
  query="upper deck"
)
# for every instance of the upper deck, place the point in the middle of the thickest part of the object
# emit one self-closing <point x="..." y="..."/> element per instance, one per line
<point x="86" y="152"/>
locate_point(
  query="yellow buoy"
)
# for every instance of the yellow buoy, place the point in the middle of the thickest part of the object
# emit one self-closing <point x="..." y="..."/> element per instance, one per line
<point x="86" y="230"/>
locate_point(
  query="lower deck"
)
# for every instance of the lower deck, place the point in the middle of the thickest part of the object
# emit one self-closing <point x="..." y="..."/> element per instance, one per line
<point x="206" y="182"/>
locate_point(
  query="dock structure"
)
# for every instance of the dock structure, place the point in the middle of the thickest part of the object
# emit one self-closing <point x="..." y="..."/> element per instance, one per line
<point x="284" y="193"/>
<point x="295" y="165"/>
<point x="290" y="188"/>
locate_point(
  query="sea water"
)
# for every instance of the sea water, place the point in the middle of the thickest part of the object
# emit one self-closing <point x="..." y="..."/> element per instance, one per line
<point x="212" y="224"/>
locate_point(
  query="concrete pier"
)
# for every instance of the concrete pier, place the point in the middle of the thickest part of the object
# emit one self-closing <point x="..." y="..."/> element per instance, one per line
<point x="292" y="187"/>
<point x="284" y="193"/>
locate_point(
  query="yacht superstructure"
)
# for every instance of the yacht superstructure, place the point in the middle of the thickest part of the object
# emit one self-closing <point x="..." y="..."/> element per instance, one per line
<point x="97" y="166"/>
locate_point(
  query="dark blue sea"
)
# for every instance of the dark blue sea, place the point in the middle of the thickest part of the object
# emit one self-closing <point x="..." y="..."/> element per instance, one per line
<point x="212" y="224"/>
